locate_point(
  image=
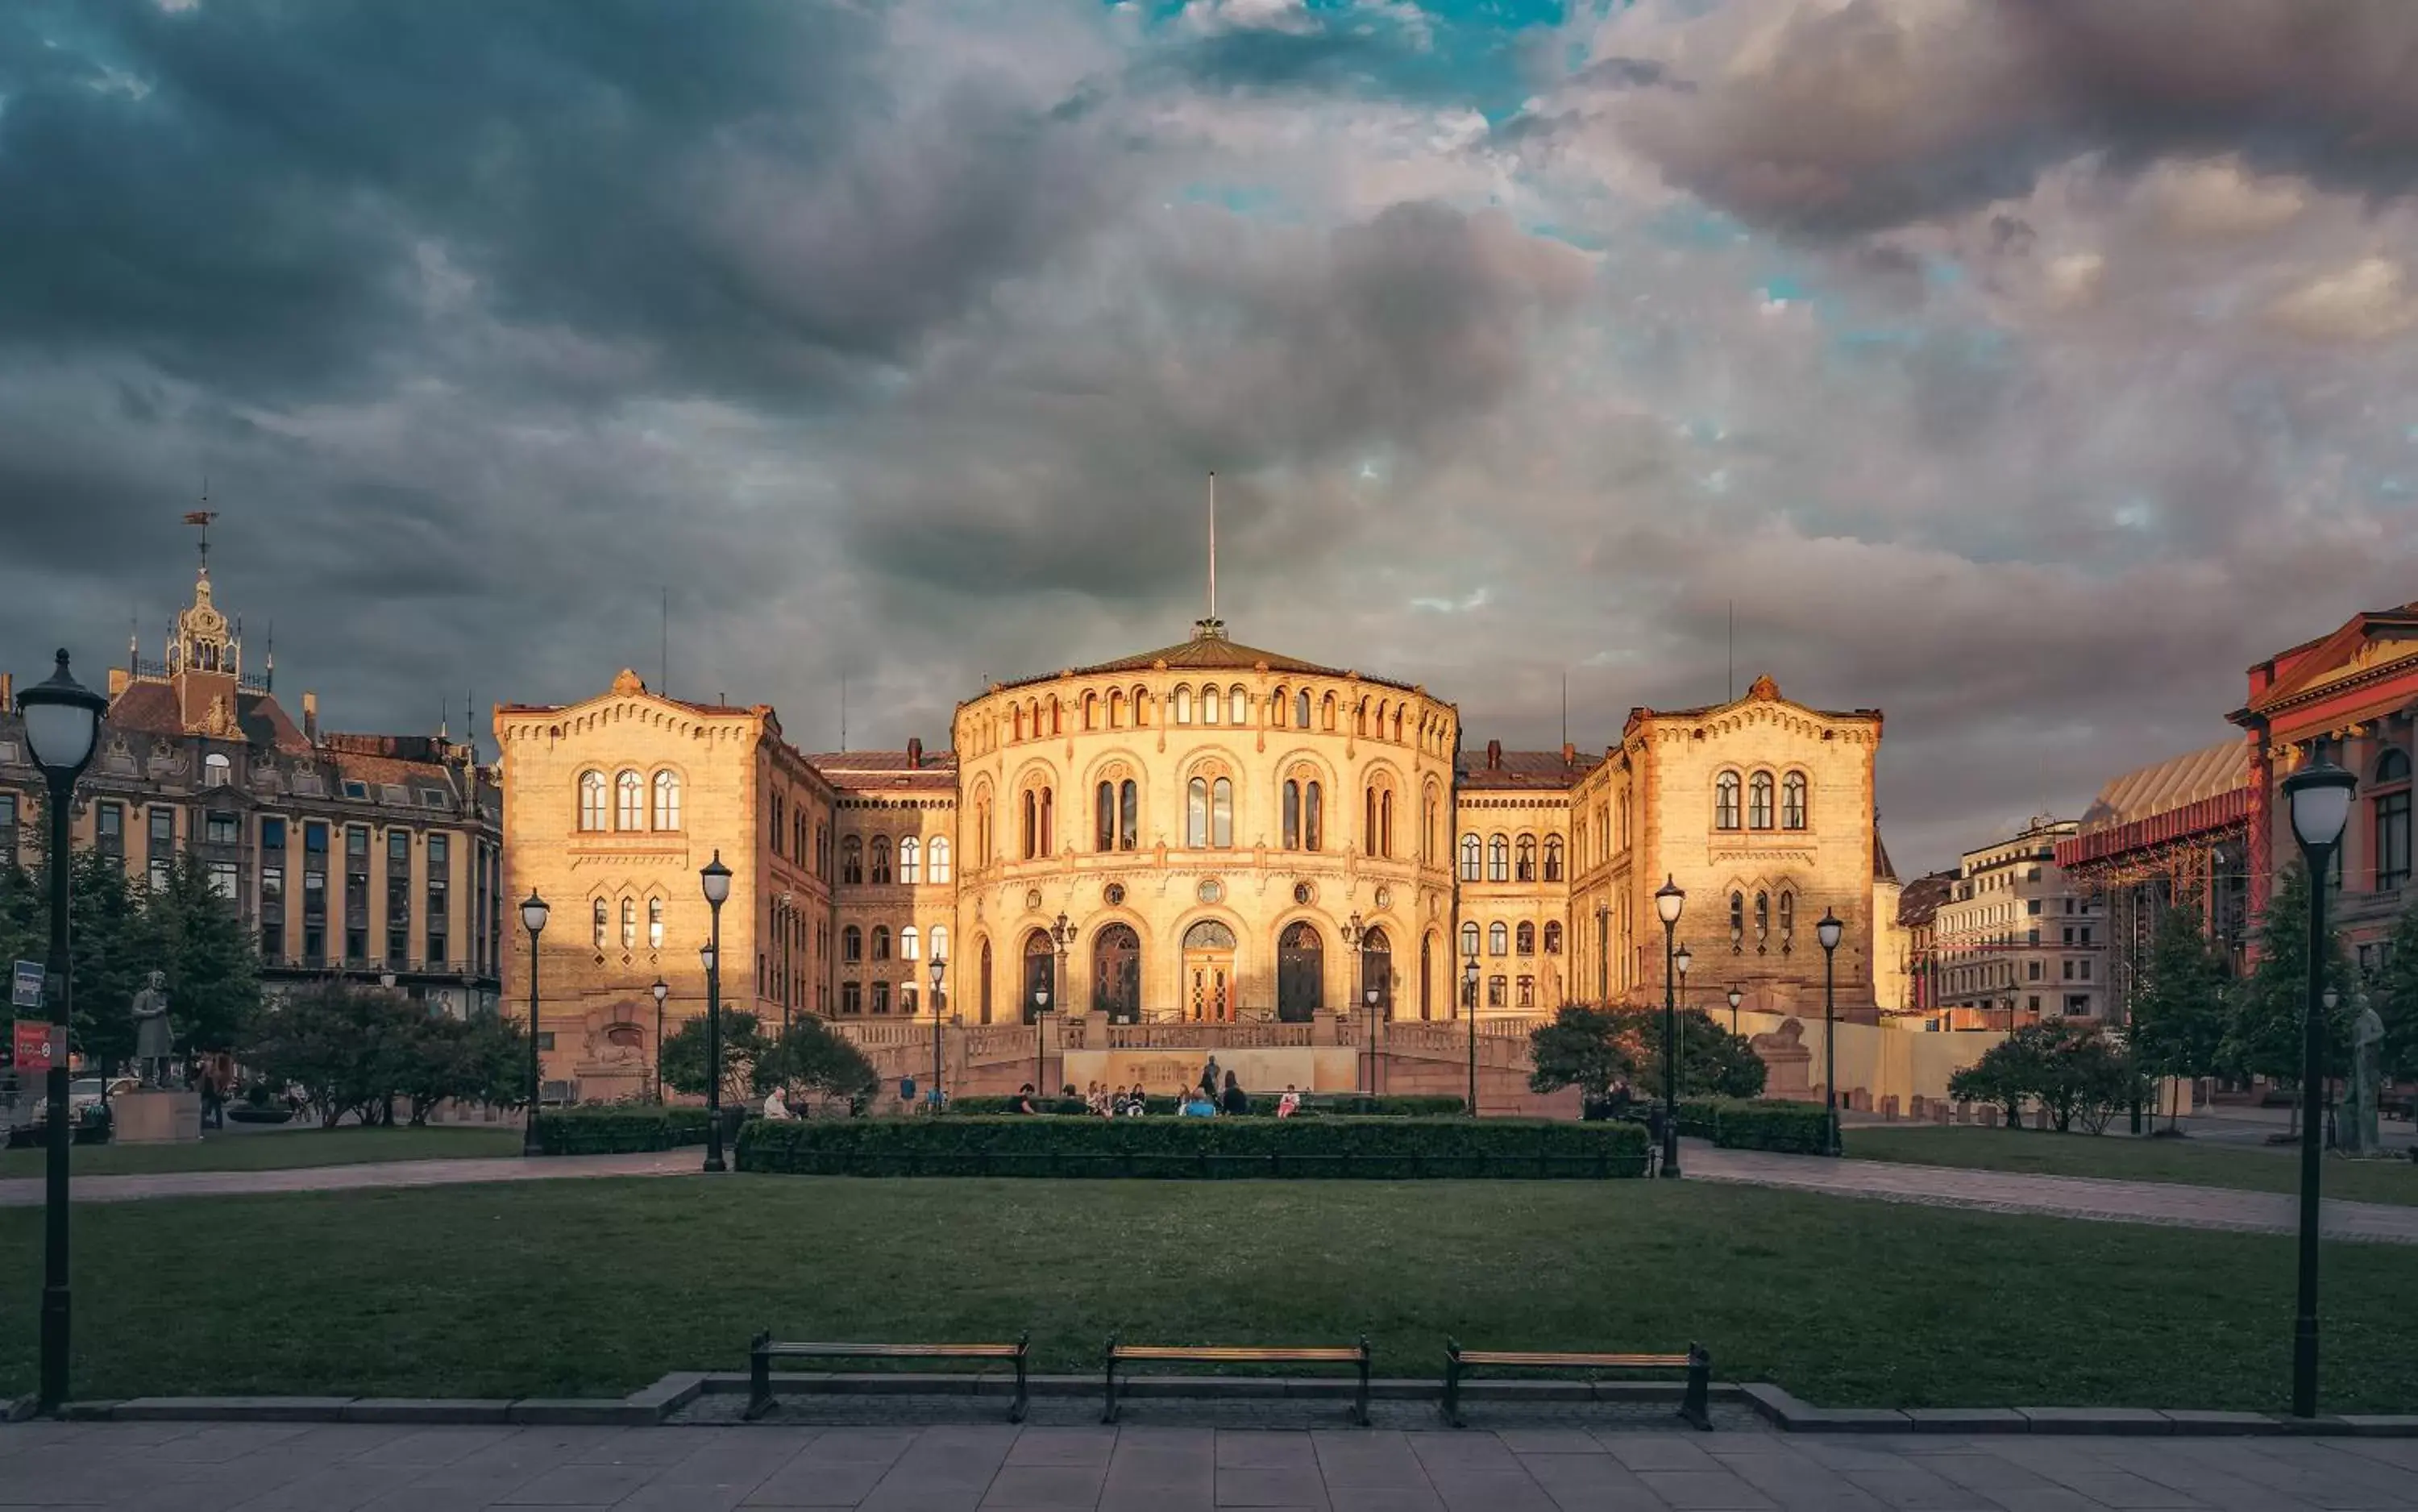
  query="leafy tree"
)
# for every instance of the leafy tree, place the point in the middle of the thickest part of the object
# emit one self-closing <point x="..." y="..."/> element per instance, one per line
<point x="199" y="941"/>
<point x="2264" y="1025"/>
<point x="2070" y="1067"/>
<point x="484" y="1061"/>
<point x="2180" y="1014"/>
<point x="1713" y="1063"/>
<point x="745" y="1047"/>
<point x="24" y="927"/>
<point x="812" y="1058"/>
<point x="341" y="1043"/>
<point x="113" y="953"/>
<point x="2003" y="1078"/>
<point x="2393" y="994"/>
<point x="1589" y="1048"/>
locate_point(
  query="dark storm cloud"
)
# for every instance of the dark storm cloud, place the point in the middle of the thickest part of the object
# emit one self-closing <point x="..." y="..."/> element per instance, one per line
<point x="1878" y="112"/>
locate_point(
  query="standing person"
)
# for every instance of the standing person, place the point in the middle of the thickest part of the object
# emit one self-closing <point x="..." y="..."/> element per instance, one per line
<point x="1236" y="1102"/>
<point x="213" y="1101"/>
<point x="1209" y="1079"/>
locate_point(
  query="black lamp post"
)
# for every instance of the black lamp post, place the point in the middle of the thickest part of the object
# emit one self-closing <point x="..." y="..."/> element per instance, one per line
<point x="1469" y="994"/>
<point x="1735" y="998"/>
<point x="939" y="968"/>
<point x="1352" y="933"/>
<point x="662" y="989"/>
<point x="1828" y="929"/>
<point x="716" y="879"/>
<point x="62" y="725"/>
<point x="1062" y="933"/>
<point x="2320" y="794"/>
<point x="533" y="913"/>
<point x="1040" y="1040"/>
<point x="1669" y="899"/>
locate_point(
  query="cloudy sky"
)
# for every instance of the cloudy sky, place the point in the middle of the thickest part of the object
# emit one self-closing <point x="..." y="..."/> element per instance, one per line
<point x="2025" y="370"/>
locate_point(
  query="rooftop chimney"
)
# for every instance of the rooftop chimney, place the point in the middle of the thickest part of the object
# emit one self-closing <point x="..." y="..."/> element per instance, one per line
<point x="914" y="754"/>
<point x="8" y="688"/>
<point x="1493" y="755"/>
<point x="310" y="717"/>
<point x="1569" y="755"/>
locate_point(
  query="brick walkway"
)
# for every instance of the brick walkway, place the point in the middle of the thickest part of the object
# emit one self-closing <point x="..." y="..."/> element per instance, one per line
<point x="27" y="1192"/>
<point x="257" y="1468"/>
<point x="2070" y="1197"/>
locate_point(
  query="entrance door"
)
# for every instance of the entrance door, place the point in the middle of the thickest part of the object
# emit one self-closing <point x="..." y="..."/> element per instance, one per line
<point x="1209" y="971"/>
<point x="1377" y="972"/>
<point x="1301" y="970"/>
<point x="1040" y="976"/>
<point x="1116" y="973"/>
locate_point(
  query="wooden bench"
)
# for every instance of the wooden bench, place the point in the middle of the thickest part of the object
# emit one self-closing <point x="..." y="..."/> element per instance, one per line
<point x="1358" y="1355"/>
<point x="1694" y="1405"/>
<point x="762" y="1352"/>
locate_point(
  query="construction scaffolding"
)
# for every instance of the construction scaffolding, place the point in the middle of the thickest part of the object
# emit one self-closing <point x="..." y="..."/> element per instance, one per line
<point x="2139" y="871"/>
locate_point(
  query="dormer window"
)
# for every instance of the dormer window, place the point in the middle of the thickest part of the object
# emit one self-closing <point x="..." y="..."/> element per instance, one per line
<point x="217" y="771"/>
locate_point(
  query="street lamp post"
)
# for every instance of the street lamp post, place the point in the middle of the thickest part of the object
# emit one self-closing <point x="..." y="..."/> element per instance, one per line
<point x="533" y="913"/>
<point x="1735" y="998"/>
<point x="62" y="725"/>
<point x="2320" y="794"/>
<point x="1040" y="1040"/>
<point x="1828" y="929"/>
<point x="715" y="878"/>
<point x="1062" y="933"/>
<point x="1669" y="899"/>
<point x="1469" y="993"/>
<point x="939" y="968"/>
<point x="785" y="915"/>
<point x="662" y="989"/>
<point x="1352" y="933"/>
<point x="1602" y="953"/>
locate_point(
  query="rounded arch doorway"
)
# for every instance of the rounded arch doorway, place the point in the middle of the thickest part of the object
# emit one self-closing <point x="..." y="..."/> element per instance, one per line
<point x="1209" y="971"/>
<point x="1376" y="972"/>
<point x="1116" y="973"/>
<point x="1301" y="972"/>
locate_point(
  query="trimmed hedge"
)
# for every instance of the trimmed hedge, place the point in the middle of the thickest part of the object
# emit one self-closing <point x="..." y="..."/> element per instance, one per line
<point x="613" y="1130"/>
<point x="1388" y="1149"/>
<point x="1264" y="1105"/>
<point x="1795" y="1128"/>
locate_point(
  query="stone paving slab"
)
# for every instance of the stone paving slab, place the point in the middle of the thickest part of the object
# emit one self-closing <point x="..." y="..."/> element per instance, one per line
<point x="356" y="1467"/>
<point x="26" y="1192"/>
<point x="2068" y="1197"/>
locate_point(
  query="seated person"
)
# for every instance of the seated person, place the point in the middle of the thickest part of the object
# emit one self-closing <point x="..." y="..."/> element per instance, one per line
<point x="1023" y="1103"/>
<point x="1236" y="1102"/>
<point x="1196" y="1105"/>
<point x="1289" y="1103"/>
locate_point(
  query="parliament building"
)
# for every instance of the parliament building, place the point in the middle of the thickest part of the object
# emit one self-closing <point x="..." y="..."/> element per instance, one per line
<point x="1206" y="833"/>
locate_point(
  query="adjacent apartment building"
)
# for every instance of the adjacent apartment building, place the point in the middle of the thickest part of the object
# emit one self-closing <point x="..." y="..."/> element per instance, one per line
<point x="2017" y="939"/>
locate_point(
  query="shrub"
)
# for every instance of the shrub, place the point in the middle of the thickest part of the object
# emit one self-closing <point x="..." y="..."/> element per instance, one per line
<point x="1376" y="1148"/>
<point x="1264" y="1105"/>
<point x="606" y="1131"/>
<point x="1698" y="1116"/>
<point x="1798" y="1128"/>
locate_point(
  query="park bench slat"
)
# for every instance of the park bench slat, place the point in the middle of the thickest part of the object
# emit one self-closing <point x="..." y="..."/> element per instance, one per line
<point x="1218" y="1353"/>
<point x="763" y="1349"/>
<point x="1695" y="1405"/>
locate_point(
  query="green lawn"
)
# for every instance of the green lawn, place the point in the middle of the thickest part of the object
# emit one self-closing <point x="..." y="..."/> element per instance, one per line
<point x="595" y="1287"/>
<point x="2121" y="1157"/>
<point x="252" y="1151"/>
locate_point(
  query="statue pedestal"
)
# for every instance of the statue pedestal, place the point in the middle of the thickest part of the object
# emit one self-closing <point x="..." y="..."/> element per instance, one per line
<point x="155" y="1118"/>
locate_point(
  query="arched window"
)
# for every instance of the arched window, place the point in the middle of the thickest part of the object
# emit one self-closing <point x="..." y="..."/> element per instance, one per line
<point x="1759" y="802"/>
<point x="1221" y="813"/>
<point x="1128" y="815"/>
<point x="1762" y="919"/>
<point x="1104" y="817"/>
<point x="880" y="868"/>
<point x="1527" y="868"/>
<point x="1498" y="860"/>
<point x="1369" y="821"/>
<point x="910" y="860"/>
<point x="630" y="793"/>
<point x="2392" y="805"/>
<point x="1386" y="823"/>
<point x="852" y="944"/>
<point x="1326" y="715"/>
<point x="1527" y="992"/>
<point x="1552" y="858"/>
<point x="1209" y="706"/>
<point x="1291" y="814"/>
<point x="655" y="924"/>
<point x="881" y="942"/>
<point x="629" y="924"/>
<point x="1360" y="718"/>
<point x="1791" y="802"/>
<point x="1472" y="859"/>
<point x="1195" y="813"/>
<point x="604" y="922"/>
<point x="1494" y="990"/>
<point x="1313" y="817"/>
<point x="1527" y="938"/>
<point x="1277" y="701"/>
<point x="1787" y="919"/>
<point x="1553" y="937"/>
<point x="1238" y="706"/>
<point x="1430" y="847"/>
<point x="911" y="945"/>
<point x="1725" y="800"/>
<point x="667" y="800"/>
<point x="851" y="860"/>
<point x="1498" y="938"/>
<point x="941" y="859"/>
<point x="592" y="812"/>
<point x="1117" y="709"/>
<point x="1301" y="709"/>
<point x="1183" y="706"/>
<point x="1397" y="724"/>
<point x="1738" y="921"/>
<point x="940" y="943"/>
<point x="1091" y="711"/>
<point x="1469" y="937"/>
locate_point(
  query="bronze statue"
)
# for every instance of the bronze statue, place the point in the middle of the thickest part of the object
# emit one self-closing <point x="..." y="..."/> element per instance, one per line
<point x="153" y="1042"/>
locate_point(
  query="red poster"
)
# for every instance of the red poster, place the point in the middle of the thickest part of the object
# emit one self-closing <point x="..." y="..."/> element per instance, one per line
<point x="32" y="1045"/>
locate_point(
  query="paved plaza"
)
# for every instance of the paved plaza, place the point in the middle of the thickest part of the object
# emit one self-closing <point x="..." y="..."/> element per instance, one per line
<point x="257" y="1468"/>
